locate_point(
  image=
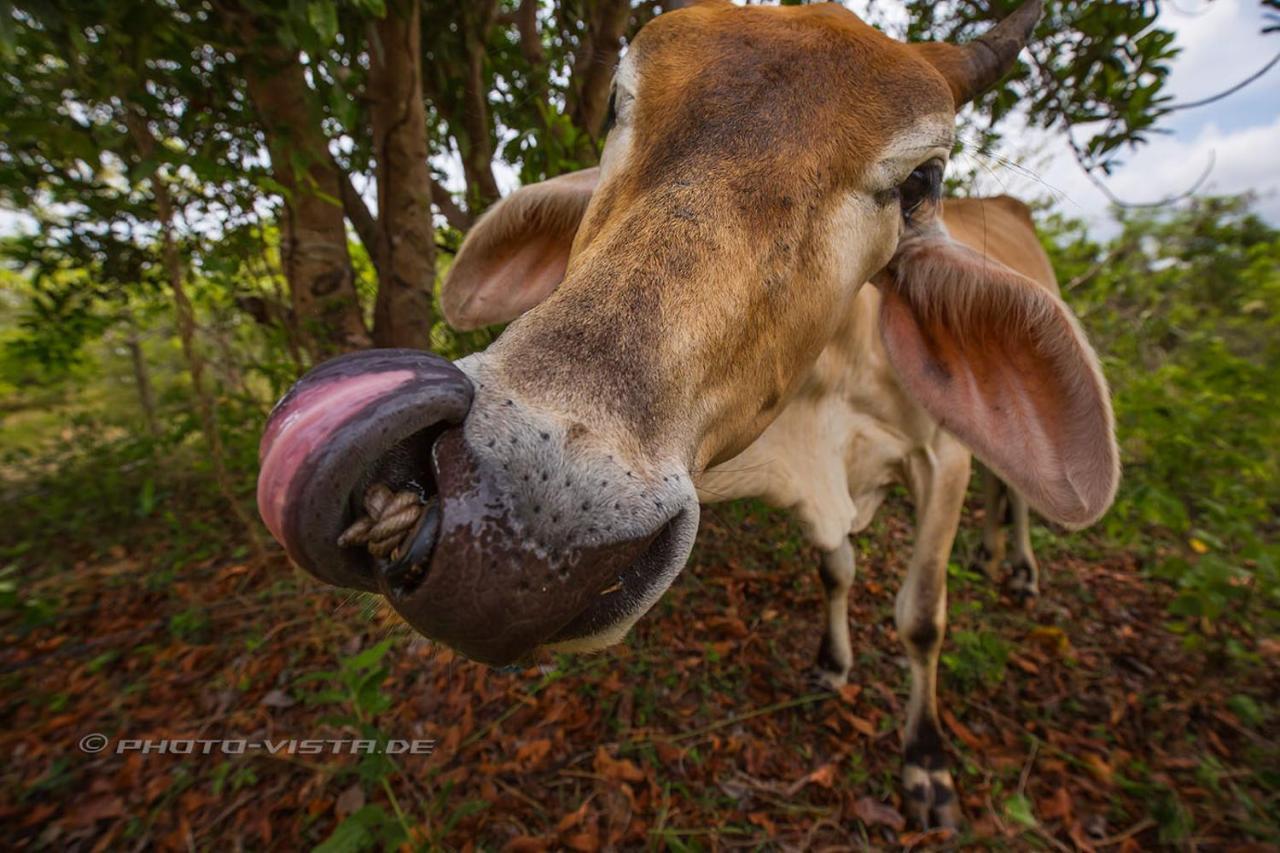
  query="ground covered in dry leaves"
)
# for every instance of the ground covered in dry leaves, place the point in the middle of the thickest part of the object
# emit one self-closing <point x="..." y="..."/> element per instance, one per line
<point x="1080" y="723"/>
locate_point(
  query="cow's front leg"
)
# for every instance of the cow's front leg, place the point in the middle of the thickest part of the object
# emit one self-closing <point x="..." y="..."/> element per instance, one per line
<point x="835" y="655"/>
<point x="995" y="502"/>
<point x="938" y="485"/>
<point x="1024" y="571"/>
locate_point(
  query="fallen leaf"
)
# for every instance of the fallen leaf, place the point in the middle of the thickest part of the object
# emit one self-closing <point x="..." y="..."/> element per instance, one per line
<point x="872" y="812"/>
<point x="584" y="842"/>
<point x="574" y="817"/>
<point x="932" y="836"/>
<point x="530" y="754"/>
<point x="1023" y="664"/>
<point x="96" y="809"/>
<point x="1056" y="806"/>
<point x="278" y="699"/>
<point x="1051" y="638"/>
<point x="960" y="730"/>
<point x="616" y="769"/>
<point x="862" y="725"/>
<point x="1098" y="767"/>
<point x="823" y="777"/>
<point x="349" y="801"/>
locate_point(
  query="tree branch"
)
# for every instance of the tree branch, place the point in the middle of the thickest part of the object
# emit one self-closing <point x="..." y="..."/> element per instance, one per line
<point x="526" y="21"/>
<point x="1227" y="92"/>
<point x="362" y="220"/>
<point x="594" y="62"/>
<point x="450" y="209"/>
<point x="1081" y="159"/>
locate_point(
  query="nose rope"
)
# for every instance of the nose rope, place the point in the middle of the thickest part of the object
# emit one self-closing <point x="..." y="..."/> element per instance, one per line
<point x="389" y="520"/>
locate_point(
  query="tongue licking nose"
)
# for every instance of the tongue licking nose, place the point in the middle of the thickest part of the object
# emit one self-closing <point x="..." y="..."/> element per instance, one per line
<point x="359" y="419"/>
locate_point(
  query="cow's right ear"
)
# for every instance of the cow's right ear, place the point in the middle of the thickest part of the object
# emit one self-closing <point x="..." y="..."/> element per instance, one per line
<point x="1002" y="364"/>
<point x="516" y="254"/>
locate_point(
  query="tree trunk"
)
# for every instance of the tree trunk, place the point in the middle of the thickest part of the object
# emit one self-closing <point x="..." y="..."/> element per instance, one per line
<point x="362" y="221"/>
<point x="185" y="314"/>
<point x="594" y="62"/>
<point x="477" y="147"/>
<point x="142" y="380"/>
<point x="313" y="238"/>
<point x="407" y="268"/>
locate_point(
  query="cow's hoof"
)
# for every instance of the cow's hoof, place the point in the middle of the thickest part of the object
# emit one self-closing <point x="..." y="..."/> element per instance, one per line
<point x="831" y="671"/>
<point x="930" y="798"/>
<point x="984" y="562"/>
<point x="1023" y="584"/>
<point x="821" y="678"/>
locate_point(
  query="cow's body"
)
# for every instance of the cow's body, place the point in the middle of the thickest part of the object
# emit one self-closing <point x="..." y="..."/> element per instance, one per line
<point x="851" y="432"/>
<point x="694" y="316"/>
<point x="848" y="435"/>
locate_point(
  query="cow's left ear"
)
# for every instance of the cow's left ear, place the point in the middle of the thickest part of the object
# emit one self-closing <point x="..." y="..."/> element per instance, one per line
<point x="516" y="254"/>
<point x="1002" y="363"/>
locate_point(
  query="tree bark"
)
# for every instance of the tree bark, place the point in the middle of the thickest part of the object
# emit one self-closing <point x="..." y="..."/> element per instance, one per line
<point x="185" y="315"/>
<point x="142" y="380"/>
<point x="407" y="268"/>
<point x="594" y="62"/>
<point x="477" y="147"/>
<point x="313" y="239"/>
<point x="362" y="221"/>
<point x="453" y="214"/>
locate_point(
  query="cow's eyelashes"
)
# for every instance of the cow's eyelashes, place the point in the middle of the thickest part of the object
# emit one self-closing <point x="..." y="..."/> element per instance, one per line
<point x="611" y="115"/>
<point x="923" y="184"/>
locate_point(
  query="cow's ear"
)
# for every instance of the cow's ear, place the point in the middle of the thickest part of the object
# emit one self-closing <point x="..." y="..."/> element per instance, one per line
<point x="516" y="254"/>
<point x="1002" y="363"/>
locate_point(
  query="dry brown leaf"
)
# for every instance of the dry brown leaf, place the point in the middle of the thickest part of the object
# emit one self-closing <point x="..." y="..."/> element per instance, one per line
<point x="531" y="754"/>
<point x="574" y="817"/>
<point x="960" y="730"/>
<point x="584" y="842"/>
<point x="349" y="801"/>
<point x="1056" y="806"/>
<point x="97" y="808"/>
<point x="872" y="812"/>
<point x="1098" y="767"/>
<point x="616" y="769"/>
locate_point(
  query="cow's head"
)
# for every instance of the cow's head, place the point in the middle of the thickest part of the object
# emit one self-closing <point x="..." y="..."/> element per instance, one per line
<point x="763" y="164"/>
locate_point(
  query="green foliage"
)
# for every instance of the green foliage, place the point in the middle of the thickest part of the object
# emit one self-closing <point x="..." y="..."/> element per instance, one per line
<point x="975" y="659"/>
<point x="1097" y="65"/>
<point x="1183" y="308"/>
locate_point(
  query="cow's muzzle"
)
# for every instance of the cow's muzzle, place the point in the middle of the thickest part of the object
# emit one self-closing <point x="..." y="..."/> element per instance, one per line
<point x="500" y="557"/>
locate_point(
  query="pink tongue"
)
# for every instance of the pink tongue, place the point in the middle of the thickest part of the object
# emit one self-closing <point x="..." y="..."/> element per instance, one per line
<point x="310" y="418"/>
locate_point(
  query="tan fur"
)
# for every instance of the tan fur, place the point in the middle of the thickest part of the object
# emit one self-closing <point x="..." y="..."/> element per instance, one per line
<point x="551" y="210"/>
<point x="850" y="434"/>
<point x="851" y="407"/>
<point x="714" y="320"/>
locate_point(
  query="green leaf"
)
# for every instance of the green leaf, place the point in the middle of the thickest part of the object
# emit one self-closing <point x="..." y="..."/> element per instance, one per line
<point x="323" y="18"/>
<point x="1018" y="809"/>
<point x="362" y="830"/>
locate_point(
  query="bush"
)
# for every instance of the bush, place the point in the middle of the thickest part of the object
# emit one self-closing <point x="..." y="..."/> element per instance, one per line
<point x="1183" y="308"/>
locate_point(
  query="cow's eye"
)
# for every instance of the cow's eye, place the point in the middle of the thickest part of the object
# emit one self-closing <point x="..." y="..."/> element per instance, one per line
<point x="611" y="113"/>
<point x="924" y="183"/>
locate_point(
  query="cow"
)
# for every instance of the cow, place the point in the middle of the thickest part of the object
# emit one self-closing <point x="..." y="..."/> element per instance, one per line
<point x="768" y="202"/>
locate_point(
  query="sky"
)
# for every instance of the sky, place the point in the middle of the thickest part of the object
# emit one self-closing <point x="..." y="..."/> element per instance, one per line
<point x="1221" y="45"/>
